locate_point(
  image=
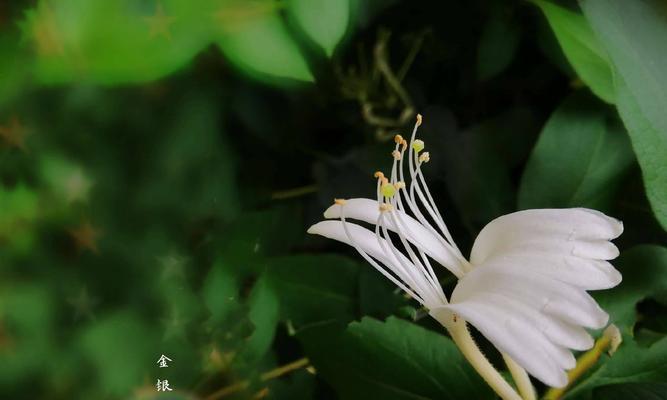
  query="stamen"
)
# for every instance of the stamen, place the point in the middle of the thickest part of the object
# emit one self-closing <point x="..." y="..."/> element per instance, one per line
<point x="424" y="157"/>
<point x="396" y="154"/>
<point x="398" y="139"/>
<point x="399" y="185"/>
<point x="404" y="144"/>
<point x="419" y="119"/>
<point x="378" y="174"/>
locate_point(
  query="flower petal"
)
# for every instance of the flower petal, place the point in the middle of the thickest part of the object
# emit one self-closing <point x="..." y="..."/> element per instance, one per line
<point x="367" y="210"/>
<point x="546" y="294"/>
<point x="570" y="245"/>
<point x="511" y="335"/>
<point x="585" y="273"/>
<point x="370" y="243"/>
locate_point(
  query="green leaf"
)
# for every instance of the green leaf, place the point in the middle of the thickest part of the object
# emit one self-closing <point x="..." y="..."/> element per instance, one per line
<point x="632" y="391"/>
<point x="578" y="160"/>
<point x="220" y="291"/>
<point x="391" y="360"/>
<point x="634" y="34"/>
<point x="325" y="21"/>
<point x="253" y="37"/>
<point x="315" y="288"/>
<point x="264" y="313"/>
<point x="497" y="46"/>
<point x="581" y="48"/>
<point x="123" y="350"/>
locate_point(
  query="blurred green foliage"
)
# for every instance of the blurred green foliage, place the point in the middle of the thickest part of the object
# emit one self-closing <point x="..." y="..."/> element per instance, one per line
<point x="160" y="162"/>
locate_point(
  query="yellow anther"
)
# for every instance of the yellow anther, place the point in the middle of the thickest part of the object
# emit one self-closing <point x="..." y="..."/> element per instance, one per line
<point x="386" y="207"/>
<point x="399" y="185"/>
<point x="425" y="157"/>
<point x="340" y="202"/>
<point x="418" y="145"/>
<point x="419" y="119"/>
<point x="378" y="174"/>
<point x="398" y="139"/>
<point x="404" y="143"/>
<point x="396" y="154"/>
<point x="388" y="190"/>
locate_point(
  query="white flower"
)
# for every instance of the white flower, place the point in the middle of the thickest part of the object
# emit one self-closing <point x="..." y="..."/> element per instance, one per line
<point x="524" y="286"/>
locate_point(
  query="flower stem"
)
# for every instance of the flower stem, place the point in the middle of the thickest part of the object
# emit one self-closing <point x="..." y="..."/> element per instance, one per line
<point x="521" y="378"/>
<point x="274" y="373"/>
<point x="461" y="336"/>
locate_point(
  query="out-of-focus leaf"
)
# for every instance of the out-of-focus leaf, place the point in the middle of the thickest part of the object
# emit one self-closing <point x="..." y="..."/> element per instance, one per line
<point x="26" y="328"/>
<point x="194" y="163"/>
<point x="581" y="47"/>
<point x="391" y="360"/>
<point x="112" y="42"/>
<point x="314" y="288"/>
<point x="264" y="313"/>
<point x="632" y="391"/>
<point x="123" y="350"/>
<point x="644" y="270"/>
<point x="377" y="295"/>
<point x="253" y="37"/>
<point x="578" y="160"/>
<point x="325" y="21"/>
<point x="220" y="291"/>
<point x="19" y="207"/>
<point x="497" y="46"/>
<point x="634" y="34"/>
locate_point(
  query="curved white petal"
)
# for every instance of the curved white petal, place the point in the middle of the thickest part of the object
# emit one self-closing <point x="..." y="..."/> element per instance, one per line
<point x="367" y="210"/>
<point x="371" y="244"/>
<point x="585" y="273"/>
<point x="569" y="244"/>
<point x="548" y="295"/>
<point x="519" y="339"/>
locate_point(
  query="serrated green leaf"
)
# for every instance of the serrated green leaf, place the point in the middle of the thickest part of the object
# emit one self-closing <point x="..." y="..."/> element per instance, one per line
<point x="324" y="21"/>
<point x="634" y="34"/>
<point x="578" y="160"/>
<point x="391" y="360"/>
<point x="632" y="391"/>
<point x="581" y="47"/>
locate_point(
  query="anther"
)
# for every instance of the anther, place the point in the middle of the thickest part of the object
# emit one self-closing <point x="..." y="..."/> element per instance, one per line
<point x="425" y="157"/>
<point x="378" y="174"/>
<point x="386" y="207"/>
<point x="399" y="185"/>
<point x="396" y="154"/>
<point x="388" y="190"/>
<point x="404" y="144"/>
<point x="340" y="202"/>
<point x="398" y="139"/>
<point x="418" y="145"/>
<point x="419" y="119"/>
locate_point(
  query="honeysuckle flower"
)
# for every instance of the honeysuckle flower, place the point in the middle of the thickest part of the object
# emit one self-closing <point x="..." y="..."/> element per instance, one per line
<point x="524" y="286"/>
